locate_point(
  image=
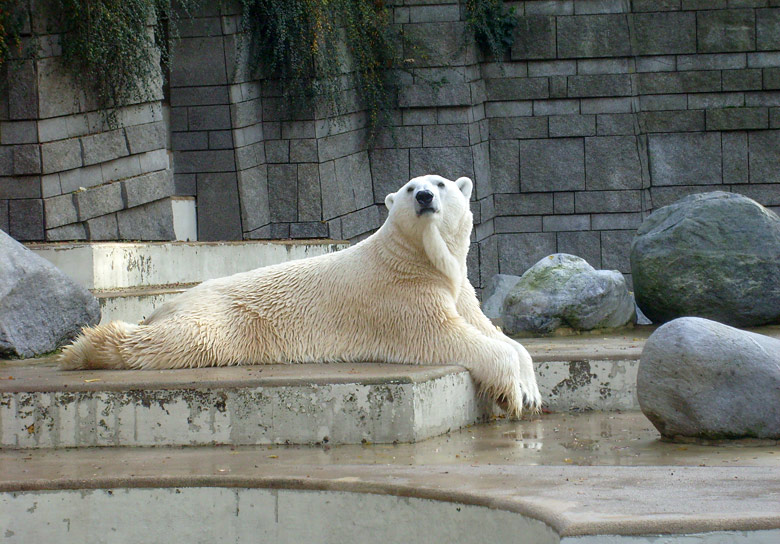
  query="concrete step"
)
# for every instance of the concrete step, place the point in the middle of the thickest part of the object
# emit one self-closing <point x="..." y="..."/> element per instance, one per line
<point x="122" y="265"/>
<point x="41" y="406"/>
<point x="134" y="304"/>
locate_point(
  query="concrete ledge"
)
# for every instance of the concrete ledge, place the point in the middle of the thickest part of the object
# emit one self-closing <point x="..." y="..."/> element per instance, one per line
<point x="118" y="265"/>
<point x="43" y="407"/>
<point x="303" y="503"/>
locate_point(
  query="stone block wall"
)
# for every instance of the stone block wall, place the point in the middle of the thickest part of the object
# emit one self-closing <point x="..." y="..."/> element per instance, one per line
<point x="603" y="111"/>
<point x="66" y="172"/>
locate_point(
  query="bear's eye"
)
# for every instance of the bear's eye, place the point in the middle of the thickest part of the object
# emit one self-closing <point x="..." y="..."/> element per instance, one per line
<point x="441" y="185"/>
<point x="409" y="189"/>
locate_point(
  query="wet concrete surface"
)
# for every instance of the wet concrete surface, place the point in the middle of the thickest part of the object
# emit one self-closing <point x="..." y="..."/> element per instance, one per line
<point x="586" y="439"/>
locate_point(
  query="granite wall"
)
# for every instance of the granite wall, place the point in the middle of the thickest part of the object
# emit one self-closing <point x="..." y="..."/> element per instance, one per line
<point x="603" y="111"/>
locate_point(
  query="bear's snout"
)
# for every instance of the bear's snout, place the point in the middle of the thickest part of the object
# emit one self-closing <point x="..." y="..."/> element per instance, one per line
<point x="424" y="197"/>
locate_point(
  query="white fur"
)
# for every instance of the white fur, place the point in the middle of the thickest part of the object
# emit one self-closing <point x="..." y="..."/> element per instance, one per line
<point x="399" y="296"/>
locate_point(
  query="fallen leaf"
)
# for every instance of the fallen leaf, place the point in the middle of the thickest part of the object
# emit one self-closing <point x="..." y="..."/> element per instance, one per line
<point x="92" y="380"/>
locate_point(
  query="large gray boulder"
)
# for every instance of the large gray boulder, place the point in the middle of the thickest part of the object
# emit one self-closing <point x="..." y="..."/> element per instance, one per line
<point x="702" y="379"/>
<point x="564" y="292"/>
<point x="495" y="292"/>
<point x="713" y="255"/>
<point x="40" y="307"/>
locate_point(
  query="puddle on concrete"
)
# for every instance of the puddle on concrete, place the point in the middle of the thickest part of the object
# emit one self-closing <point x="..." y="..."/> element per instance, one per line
<point x="592" y="438"/>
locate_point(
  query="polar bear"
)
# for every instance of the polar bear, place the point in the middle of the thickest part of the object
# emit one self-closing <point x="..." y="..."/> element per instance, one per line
<point x="399" y="296"/>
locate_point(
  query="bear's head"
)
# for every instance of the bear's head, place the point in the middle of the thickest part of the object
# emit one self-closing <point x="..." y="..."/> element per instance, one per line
<point x="434" y="211"/>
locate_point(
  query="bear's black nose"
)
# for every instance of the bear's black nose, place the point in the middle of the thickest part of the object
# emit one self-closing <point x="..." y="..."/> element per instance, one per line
<point x="424" y="197"/>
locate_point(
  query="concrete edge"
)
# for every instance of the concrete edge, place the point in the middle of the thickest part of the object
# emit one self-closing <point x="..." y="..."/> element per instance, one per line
<point x="292" y="242"/>
<point x="557" y="521"/>
<point x="95" y="380"/>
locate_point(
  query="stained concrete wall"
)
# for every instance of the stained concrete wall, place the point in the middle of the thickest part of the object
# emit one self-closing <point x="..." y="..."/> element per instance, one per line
<point x="603" y="111"/>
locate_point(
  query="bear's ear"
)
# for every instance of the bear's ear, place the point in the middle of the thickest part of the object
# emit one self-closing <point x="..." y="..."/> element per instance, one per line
<point x="465" y="185"/>
<point x="389" y="199"/>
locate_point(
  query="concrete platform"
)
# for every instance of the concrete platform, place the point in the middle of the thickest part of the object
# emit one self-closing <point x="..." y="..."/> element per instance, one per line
<point x="392" y="493"/>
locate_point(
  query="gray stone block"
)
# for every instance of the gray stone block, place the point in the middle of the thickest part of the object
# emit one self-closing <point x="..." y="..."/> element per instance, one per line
<point x="314" y="229"/>
<point x="715" y="100"/>
<point x="737" y="119"/>
<point x="152" y="221"/>
<point x="72" y="232"/>
<point x="99" y="200"/>
<point x="209" y="117"/>
<point x="178" y="120"/>
<point x="552" y="165"/>
<point x="445" y="135"/>
<point x="20" y="187"/>
<point x="341" y="145"/>
<point x="253" y="190"/>
<point x="660" y="63"/>
<point x="615" y="124"/>
<point x="4" y="215"/>
<point x="241" y="114"/>
<point x="685" y="159"/>
<point x="615" y="250"/>
<point x="762" y="99"/>
<point x="189" y="27"/>
<point x="764" y="156"/>
<point x="772" y="78"/>
<point x="589" y="7"/>
<point x="550" y="7"/>
<point x="61" y="155"/>
<point x="606" y="105"/>
<point x="308" y="129"/>
<point x="519" y="252"/>
<point x="505" y="166"/>
<point x="583" y="244"/>
<point x="608" y="201"/>
<point x="360" y="222"/>
<point x="354" y="171"/>
<point x="769" y="59"/>
<point x="104" y="146"/>
<point x="663" y="196"/>
<point x="309" y="193"/>
<point x="513" y="223"/>
<point x="221" y="139"/>
<point x="280" y="231"/>
<point x="607" y="85"/>
<point x="556" y="107"/>
<point x="303" y="150"/>
<point x="23" y="94"/>
<point x="60" y="210"/>
<point x="615" y="221"/>
<point x="563" y="203"/>
<point x="450" y="162"/>
<point x="26" y="159"/>
<point x="612" y="163"/>
<point x="716" y="61"/>
<point x="555" y="223"/>
<point x="534" y="38"/>
<point x="250" y="156"/>
<point x="283" y="192"/>
<point x="517" y="88"/>
<point x="425" y="116"/>
<point x="104" y="227"/>
<point x="18" y="132"/>
<point x="572" y="125"/>
<point x="185" y="184"/>
<point x="148" y="187"/>
<point x="545" y="68"/>
<point x="146" y="137"/>
<point x="558" y="87"/>
<point x="219" y="216"/>
<point x="25" y="219"/>
<point x="655" y="5"/>
<point x="593" y="36"/>
<point x="518" y="128"/>
<point x="727" y="30"/>
<point x="604" y="66"/>
<point x="198" y="62"/>
<point x="659" y="102"/>
<point x="86" y="177"/>
<point x="423" y="95"/>
<point x="199" y="96"/>
<point x="204" y="161"/>
<point x="671" y="121"/>
<point x="678" y="82"/>
<point x="389" y="171"/>
<point x="440" y="44"/>
<point x="664" y="33"/>
<point x="735" y="157"/>
<point x="768" y="29"/>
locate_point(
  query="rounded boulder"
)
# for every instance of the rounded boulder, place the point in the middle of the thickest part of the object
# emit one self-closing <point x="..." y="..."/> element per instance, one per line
<point x="564" y="292"/>
<point x="712" y="255"/>
<point x="701" y="379"/>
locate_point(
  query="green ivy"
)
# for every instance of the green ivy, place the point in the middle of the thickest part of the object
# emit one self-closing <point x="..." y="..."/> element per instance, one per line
<point x="320" y="48"/>
<point x="109" y="45"/>
<point x="10" y="26"/>
<point x="493" y="25"/>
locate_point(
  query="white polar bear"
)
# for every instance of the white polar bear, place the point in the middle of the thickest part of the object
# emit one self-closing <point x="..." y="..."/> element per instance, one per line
<point x="399" y="296"/>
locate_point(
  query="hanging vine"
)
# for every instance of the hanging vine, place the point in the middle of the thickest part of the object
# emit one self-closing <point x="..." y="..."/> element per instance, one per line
<point x="493" y="26"/>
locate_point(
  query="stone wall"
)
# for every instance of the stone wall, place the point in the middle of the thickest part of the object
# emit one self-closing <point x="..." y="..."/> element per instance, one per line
<point x="603" y="111"/>
<point x="66" y="173"/>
